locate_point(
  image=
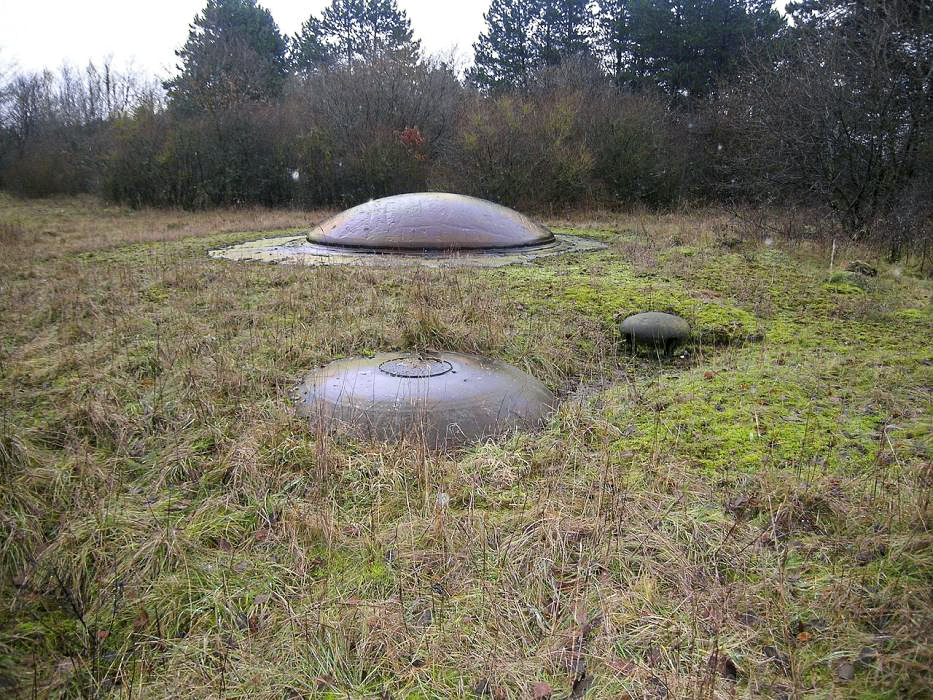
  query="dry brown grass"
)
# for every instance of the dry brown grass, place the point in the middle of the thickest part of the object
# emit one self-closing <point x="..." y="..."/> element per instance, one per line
<point x="744" y="521"/>
<point x="67" y="225"/>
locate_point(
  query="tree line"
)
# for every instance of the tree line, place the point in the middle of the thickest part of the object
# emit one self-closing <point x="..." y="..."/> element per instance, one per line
<point x="567" y="103"/>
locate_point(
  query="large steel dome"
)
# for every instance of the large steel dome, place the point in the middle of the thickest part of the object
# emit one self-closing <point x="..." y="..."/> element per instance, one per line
<point x="434" y="229"/>
<point x="430" y="221"/>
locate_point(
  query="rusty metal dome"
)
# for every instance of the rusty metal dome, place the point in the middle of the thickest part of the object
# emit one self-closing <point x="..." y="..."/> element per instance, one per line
<point x="430" y="221"/>
<point x="440" y="399"/>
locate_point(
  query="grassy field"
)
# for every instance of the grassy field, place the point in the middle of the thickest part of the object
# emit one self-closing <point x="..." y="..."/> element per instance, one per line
<point x="752" y="519"/>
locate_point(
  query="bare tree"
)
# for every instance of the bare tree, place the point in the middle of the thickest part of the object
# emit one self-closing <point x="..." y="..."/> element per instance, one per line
<point x="842" y="110"/>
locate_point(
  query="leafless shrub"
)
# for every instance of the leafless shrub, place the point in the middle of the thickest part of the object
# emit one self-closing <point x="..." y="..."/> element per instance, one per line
<point x="838" y="114"/>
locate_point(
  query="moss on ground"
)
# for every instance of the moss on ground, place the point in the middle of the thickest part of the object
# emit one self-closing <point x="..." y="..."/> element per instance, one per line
<point x="753" y="512"/>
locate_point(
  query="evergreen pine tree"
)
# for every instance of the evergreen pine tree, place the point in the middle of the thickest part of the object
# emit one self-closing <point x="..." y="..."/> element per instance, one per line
<point x="355" y="30"/>
<point x="564" y="29"/>
<point x="686" y="47"/>
<point x="614" y="32"/>
<point x="505" y="54"/>
<point x="234" y="53"/>
<point x="309" y="48"/>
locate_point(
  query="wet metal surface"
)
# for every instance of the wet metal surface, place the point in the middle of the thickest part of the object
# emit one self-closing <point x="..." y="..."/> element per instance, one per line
<point x="429" y="221"/>
<point x="440" y="399"/>
<point x="655" y="330"/>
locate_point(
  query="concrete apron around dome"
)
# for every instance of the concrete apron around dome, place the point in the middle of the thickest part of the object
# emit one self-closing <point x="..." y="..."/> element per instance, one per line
<point x="297" y="250"/>
<point x="436" y="399"/>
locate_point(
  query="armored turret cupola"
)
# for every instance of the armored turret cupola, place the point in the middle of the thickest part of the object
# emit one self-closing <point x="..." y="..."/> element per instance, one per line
<point x="434" y="229"/>
<point x="655" y="331"/>
<point x="438" y="399"/>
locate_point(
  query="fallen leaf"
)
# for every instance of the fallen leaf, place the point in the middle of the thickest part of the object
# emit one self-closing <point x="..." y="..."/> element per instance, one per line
<point x="709" y="375"/>
<point x="845" y="671"/>
<point x="540" y="690"/>
<point x="102" y="635"/>
<point x="141" y="621"/>
<point x="804" y="637"/>
<point x="720" y="664"/>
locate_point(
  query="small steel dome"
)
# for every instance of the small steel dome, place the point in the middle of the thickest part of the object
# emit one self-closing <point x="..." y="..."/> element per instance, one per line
<point x="655" y="330"/>
<point x="442" y="399"/>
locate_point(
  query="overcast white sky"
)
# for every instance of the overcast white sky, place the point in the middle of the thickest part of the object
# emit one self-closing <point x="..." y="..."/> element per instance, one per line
<point x="43" y="33"/>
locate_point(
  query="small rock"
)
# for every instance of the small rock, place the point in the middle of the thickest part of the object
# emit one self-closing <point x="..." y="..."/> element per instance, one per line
<point x="845" y="671"/>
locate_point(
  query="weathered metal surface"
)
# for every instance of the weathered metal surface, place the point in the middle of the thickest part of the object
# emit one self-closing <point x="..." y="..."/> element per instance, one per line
<point x="655" y="330"/>
<point x="416" y="366"/>
<point x="296" y="250"/>
<point x="441" y="399"/>
<point x="429" y="221"/>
